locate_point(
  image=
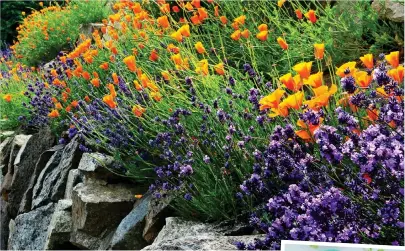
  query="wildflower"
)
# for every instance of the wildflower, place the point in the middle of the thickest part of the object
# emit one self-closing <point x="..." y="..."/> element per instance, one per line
<point x="177" y="36"/>
<point x="165" y="75"/>
<point x="41" y="4"/>
<point x="156" y="96"/>
<point x="363" y="79"/>
<point x="350" y="66"/>
<point x="176" y="9"/>
<point x="262" y="27"/>
<point x="130" y="62"/>
<point x="115" y="78"/>
<point x="245" y="33"/>
<point x="236" y="35"/>
<point x="53" y="114"/>
<point x="319" y="50"/>
<point x="393" y="58"/>
<point x="195" y="19"/>
<point x="202" y="67"/>
<point x="138" y="196"/>
<point x="202" y="14"/>
<point x="199" y="47"/>
<point x="397" y="74"/>
<point x="112" y="90"/>
<point x="86" y="75"/>
<point x="282" y="43"/>
<point x="58" y="106"/>
<point x="95" y="82"/>
<point x="311" y="16"/>
<point x="219" y="68"/>
<point x="298" y="13"/>
<point x="185" y="30"/>
<point x="262" y="35"/>
<point x="223" y="20"/>
<point x="163" y="22"/>
<point x="138" y="87"/>
<point x="216" y="11"/>
<point x="368" y="61"/>
<point x="307" y="131"/>
<point x="294" y="101"/>
<point x="104" y="66"/>
<point x="348" y="84"/>
<point x="304" y="69"/>
<point x="154" y="55"/>
<point x="240" y="19"/>
<point x="315" y="80"/>
<point x="272" y="100"/>
<point x="87" y="99"/>
<point x="7" y="98"/>
<point x="138" y="110"/>
<point x="281" y="110"/>
<point x="109" y="100"/>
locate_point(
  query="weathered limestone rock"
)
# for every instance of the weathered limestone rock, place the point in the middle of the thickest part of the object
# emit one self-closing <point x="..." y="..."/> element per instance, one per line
<point x="158" y="210"/>
<point x="129" y="232"/>
<point x="94" y="166"/>
<point x="31" y="229"/>
<point x="4" y="221"/>
<point x="75" y="177"/>
<point x="26" y="202"/>
<point x="59" y="229"/>
<point x="51" y="182"/>
<point x="5" y="148"/>
<point x="24" y="165"/>
<point x="18" y="143"/>
<point x="97" y="210"/>
<point x="179" y="234"/>
<point x="389" y="9"/>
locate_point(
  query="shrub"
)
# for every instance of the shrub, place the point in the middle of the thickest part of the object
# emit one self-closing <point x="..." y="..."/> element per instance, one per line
<point x="43" y="34"/>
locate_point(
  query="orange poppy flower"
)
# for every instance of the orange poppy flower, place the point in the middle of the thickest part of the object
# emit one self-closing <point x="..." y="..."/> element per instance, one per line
<point x="202" y="14"/>
<point x="292" y="83"/>
<point x="156" y="96"/>
<point x="165" y="75"/>
<point x="393" y="58"/>
<point x="175" y="9"/>
<point x="163" y="22"/>
<point x="154" y="56"/>
<point x="280" y="3"/>
<point x="283" y="44"/>
<point x="165" y="8"/>
<point x="397" y="74"/>
<point x="315" y="80"/>
<point x="240" y="19"/>
<point x="115" y="78"/>
<point x="7" y="98"/>
<point x="219" y="68"/>
<point x="87" y="99"/>
<point x="86" y="75"/>
<point x="138" y="87"/>
<point x="199" y="47"/>
<point x="368" y="61"/>
<point x="307" y="131"/>
<point x="216" y="11"/>
<point x="272" y="100"/>
<point x="138" y="110"/>
<point x="196" y="3"/>
<point x="304" y="69"/>
<point x="281" y="110"/>
<point x="262" y="27"/>
<point x="109" y="100"/>
<point x="177" y="36"/>
<point x="112" y="90"/>
<point x="104" y="66"/>
<point x="341" y="70"/>
<point x="130" y="62"/>
<point x="319" y="50"/>
<point x="294" y="101"/>
<point x="262" y="35"/>
<point x="245" y="33"/>
<point x="223" y="19"/>
<point x="236" y="35"/>
<point x="74" y="103"/>
<point x="363" y="79"/>
<point x="53" y="114"/>
<point x="188" y="6"/>
<point x="95" y="82"/>
<point x="298" y="13"/>
<point x="185" y="30"/>
<point x="202" y="67"/>
<point x="311" y="16"/>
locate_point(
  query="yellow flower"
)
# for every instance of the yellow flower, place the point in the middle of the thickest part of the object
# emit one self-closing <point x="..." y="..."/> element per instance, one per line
<point x="393" y="58"/>
<point x="280" y="3"/>
<point x="349" y="65"/>
<point x="315" y="80"/>
<point x="368" y="60"/>
<point x="199" y="47"/>
<point x="304" y="69"/>
<point x="272" y="100"/>
<point x="219" y="68"/>
<point x="363" y="79"/>
<point x="202" y="67"/>
<point x="319" y="50"/>
<point x="294" y="101"/>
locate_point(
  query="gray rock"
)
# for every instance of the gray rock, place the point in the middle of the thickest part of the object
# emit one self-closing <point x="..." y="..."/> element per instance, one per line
<point x="24" y="165"/>
<point x="11" y="228"/>
<point x="95" y="166"/>
<point x="158" y="211"/>
<point x="129" y="232"/>
<point x="5" y="134"/>
<point x="5" y="149"/>
<point x="179" y="234"/>
<point x="60" y="226"/>
<point x="25" y="205"/>
<point x="4" y="221"/>
<point x="31" y="229"/>
<point x="75" y="177"/>
<point x="18" y="143"/>
<point x="97" y="210"/>
<point x="51" y="182"/>
<point x="389" y="9"/>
